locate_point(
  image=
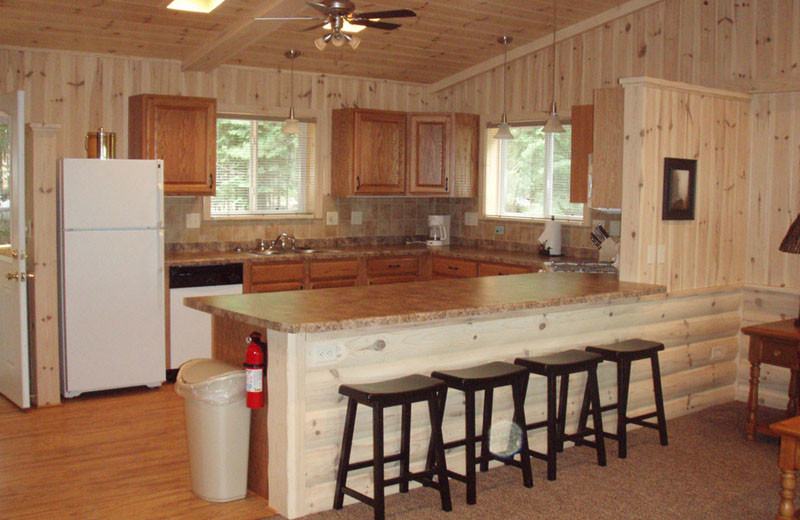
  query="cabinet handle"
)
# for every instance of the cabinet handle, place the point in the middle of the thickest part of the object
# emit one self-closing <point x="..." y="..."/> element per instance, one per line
<point x="210" y="180"/>
<point x="447" y="184"/>
<point x="394" y="266"/>
<point x="358" y="183"/>
<point x="452" y="268"/>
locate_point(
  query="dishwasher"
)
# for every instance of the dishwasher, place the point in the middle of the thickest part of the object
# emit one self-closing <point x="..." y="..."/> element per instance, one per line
<point x="190" y="329"/>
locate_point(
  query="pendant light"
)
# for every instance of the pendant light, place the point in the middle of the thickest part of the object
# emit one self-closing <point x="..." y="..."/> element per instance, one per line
<point x="290" y="126"/>
<point x="553" y="125"/>
<point x="503" y="129"/>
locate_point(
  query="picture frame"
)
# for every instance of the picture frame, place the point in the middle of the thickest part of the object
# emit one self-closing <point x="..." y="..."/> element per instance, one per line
<point x="680" y="179"/>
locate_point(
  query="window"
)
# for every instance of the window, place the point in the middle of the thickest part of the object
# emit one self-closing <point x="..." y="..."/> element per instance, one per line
<point x="529" y="176"/>
<point x="261" y="171"/>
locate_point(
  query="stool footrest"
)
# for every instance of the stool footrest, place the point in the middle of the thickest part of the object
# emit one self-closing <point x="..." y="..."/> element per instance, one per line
<point x="534" y="425"/>
<point x="371" y="462"/>
<point x="418" y="476"/>
<point x="359" y="496"/>
<point x="641" y="422"/>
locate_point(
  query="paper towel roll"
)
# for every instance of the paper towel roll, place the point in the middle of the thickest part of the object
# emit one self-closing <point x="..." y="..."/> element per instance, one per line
<point x="551" y="237"/>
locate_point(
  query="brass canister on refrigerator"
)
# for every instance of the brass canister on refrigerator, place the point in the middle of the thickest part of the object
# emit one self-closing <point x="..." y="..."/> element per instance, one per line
<point x="100" y="144"/>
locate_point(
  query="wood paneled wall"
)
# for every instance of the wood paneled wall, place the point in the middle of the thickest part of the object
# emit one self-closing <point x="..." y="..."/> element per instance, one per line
<point x="774" y="189"/>
<point x="716" y="43"/>
<point x="670" y="119"/>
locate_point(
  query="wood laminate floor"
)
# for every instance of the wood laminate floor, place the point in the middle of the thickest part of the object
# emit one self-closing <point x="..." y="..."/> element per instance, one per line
<point x="105" y="456"/>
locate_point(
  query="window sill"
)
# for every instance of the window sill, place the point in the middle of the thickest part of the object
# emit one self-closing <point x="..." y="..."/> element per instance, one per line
<point x="574" y="223"/>
<point x="287" y="216"/>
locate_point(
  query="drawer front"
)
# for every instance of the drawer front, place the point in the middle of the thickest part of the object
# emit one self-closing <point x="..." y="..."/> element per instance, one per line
<point x="391" y="266"/>
<point x="334" y="269"/>
<point x="780" y="354"/>
<point x="449" y="267"/>
<point x="278" y="272"/>
<point x="489" y="269"/>
<point x="276" y="286"/>
<point x="383" y="280"/>
<point x="324" y="284"/>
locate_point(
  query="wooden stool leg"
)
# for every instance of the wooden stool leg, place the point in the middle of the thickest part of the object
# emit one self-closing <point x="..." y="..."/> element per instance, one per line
<point x="344" y="453"/>
<point x="791" y="406"/>
<point x="438" y="448"/>
<point x="377" y="464"/>
<point x="562" y="411"/>
<point x="405" y="447"/>
<point x="593" y="390"/>
<point x="586" y="408"/>
<point x="441" y="401"/>
<point x="488" y="396"/>
<point x="519" y="389"/>
<point x="786" y="505"/>
<point x="470" y="446"/>
<point x="662" y="418"/>
<point x="623" y="374"/>
<point x="552" y="431"/>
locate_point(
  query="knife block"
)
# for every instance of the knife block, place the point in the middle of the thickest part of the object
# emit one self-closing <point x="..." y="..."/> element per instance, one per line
<point x="609" y="250"/>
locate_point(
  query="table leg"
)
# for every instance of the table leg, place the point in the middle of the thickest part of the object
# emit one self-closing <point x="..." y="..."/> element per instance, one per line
<point x="791" y="407"/>
<point x="786" y="506"/>
<point x="752" y="401"/>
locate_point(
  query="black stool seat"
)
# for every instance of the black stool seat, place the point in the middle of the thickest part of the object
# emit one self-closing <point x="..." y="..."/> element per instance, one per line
<point x="566" y="362"/>
<point x="632" y="349"/>
<point x="485" y="378"/>
<point x="490" y="375"/>
<point x="562" y="364"/>
<point x="623" y="353"/>
<point x="408" y="389"/>
<point x="401" y="391"/>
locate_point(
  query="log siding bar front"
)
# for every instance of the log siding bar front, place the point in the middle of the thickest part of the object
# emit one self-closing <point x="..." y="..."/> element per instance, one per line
<point x="382" y="332"/>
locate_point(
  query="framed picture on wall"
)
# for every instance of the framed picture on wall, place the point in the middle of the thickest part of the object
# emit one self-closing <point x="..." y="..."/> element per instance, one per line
<point x="679" y="189"/>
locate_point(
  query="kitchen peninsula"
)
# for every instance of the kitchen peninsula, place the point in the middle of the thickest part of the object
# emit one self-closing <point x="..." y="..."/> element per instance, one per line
<point x="318" y="340"/>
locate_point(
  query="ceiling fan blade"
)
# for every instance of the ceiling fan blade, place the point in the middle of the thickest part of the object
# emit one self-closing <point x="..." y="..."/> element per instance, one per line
<point x="319" y="6"/>
<point x="376" y="25"/>
<point x="397" y="13"/>
<point x="289" y="18"/>
<point x="315" y="26"/>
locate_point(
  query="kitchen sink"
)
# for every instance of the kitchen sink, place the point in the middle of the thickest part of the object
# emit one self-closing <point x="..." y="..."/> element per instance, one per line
<point x="298" y="251"/>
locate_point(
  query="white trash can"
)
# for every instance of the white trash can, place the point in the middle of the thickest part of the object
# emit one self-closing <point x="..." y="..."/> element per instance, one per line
<point x="217" y="428"/>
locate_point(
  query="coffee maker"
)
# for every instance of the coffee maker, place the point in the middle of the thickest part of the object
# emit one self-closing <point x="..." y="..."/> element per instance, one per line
<point x="438" y="230"/>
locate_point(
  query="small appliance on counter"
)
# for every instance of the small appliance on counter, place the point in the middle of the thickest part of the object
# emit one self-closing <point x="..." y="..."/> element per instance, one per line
<point x="100" y="144"/>
<point x="550" y="239"/>
<point x="561" y="266"/>
<point x="609" y="249"/>
<point x="438" y="230"/>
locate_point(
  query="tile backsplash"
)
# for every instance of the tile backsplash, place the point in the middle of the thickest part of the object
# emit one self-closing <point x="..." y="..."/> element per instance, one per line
<point x="391" y="218"/>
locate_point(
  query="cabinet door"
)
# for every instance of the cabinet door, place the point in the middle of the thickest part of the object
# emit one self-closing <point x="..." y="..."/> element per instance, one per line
<point x="182" y="131"/>
<point x="383" y="270"/>
<point x="269" y="277"/>
<point x="430" y="153"/>
<point x="609" y="105"/>
<point x="582" y="140"/>
<point x="444" y="267"/>
<point x="379" y="153"/>
<point x="492" y="269"/>
<point x="464" y="179"/>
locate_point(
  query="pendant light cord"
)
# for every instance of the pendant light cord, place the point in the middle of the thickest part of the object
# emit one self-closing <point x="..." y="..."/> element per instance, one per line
<point x="554" y="56"/>
<point x="505" y="66"/>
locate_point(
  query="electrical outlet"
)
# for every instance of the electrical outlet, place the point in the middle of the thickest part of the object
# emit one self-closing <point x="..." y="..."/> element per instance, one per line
<point x="323" y="354"/>
<point x="356" y="218"/>
<point x="332" y="218"/>
<point x="192" y="220"/>
<point x="471" y="218"/>
<point x="717" y="352"/>
<point x="499" y="230"/>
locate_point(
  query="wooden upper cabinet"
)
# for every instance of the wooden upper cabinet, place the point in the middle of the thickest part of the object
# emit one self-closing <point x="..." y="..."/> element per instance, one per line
<point x="430" y="152"/>
<point x="467" y="135"/>
<point x="368" y="154"/>
<point x="609" y="107"/>
<point x="582" y="141"/>
<point x="183" y="132"/>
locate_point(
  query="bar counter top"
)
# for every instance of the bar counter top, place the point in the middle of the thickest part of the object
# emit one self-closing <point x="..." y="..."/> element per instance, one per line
<point x="367" y="306"/>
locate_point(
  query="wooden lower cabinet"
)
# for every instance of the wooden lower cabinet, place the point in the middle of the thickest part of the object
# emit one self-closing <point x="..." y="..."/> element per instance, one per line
<point x="333" y="273"/>
<point x="444" y="267"/>
<point x="277" y="276"/>
<point x="492" y="269"/>
<point x="392" y="269"/>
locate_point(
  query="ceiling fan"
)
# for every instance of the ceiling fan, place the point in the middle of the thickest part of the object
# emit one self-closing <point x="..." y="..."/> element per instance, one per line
<point x="338" y="13"/>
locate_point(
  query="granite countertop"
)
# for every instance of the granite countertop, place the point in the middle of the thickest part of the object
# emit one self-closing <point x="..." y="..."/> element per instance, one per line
<point x="487" y="255"/>
<point x="356" y="307"/>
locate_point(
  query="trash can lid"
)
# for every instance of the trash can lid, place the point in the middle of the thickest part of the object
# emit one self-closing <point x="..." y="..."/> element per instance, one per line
<point x="199" y="370"/>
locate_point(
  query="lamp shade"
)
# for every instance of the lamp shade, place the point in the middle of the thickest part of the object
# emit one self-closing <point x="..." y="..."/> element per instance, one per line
<point x="791" y="242"/>
<point x="504" y="132"/>
<point x="291" y="126"/>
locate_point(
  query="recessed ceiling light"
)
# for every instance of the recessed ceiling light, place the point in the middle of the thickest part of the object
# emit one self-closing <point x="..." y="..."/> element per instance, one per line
<point x="196" y="6"/>
<point x="348" y="27"/>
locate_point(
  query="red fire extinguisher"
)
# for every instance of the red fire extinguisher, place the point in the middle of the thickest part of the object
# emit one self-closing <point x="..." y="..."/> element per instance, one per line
<point x="255" y="368"/>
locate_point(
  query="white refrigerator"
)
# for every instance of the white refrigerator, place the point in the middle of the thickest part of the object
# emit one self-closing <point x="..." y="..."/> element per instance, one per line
<point x="111" y="274"/>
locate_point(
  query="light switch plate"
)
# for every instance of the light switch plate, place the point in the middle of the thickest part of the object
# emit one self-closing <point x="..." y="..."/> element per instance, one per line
<point x="355" y="218"/>
<point x="332" y="218"/>
<point x="471" y="218"/>
<point x="192" y="220"/>
<point x="499" y="230"/>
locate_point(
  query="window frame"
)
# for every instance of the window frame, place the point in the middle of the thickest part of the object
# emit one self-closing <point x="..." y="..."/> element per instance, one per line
<point x="492" y="191"/>
<point x="280" y="114"/>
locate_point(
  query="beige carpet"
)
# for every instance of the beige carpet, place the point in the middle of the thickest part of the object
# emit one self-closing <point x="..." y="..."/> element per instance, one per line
<point x="709" y="471"/>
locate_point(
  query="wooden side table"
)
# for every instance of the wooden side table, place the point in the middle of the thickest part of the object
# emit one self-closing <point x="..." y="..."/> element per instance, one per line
<point x="776" y="343"/>
<point x="789" y="431"/>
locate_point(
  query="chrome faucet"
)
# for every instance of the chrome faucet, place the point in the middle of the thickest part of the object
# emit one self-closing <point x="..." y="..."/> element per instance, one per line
<point x="282" y="240"/>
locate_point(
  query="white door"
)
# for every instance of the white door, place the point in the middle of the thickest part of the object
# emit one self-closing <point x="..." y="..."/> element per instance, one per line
<point x="14" y="371"/>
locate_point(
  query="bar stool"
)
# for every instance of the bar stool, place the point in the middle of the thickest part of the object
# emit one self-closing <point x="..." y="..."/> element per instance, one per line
<point x="562" y="364"/>
<point x="403" y="391"/>
<point x="486" y="378"/>
<point x="623" y="354"/>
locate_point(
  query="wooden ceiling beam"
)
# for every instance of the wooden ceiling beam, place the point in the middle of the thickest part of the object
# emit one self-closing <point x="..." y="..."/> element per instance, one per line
<point x="241" y="34"/>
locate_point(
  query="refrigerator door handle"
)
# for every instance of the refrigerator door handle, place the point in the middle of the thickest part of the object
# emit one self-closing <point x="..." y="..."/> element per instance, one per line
<point x="161" y="291"/>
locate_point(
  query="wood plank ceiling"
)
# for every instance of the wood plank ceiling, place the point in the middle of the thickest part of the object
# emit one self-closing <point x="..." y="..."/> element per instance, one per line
<point x="447" y="36"/>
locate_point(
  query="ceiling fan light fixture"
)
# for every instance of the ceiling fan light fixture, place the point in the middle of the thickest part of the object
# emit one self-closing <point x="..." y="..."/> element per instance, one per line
<point x="195" y="6"/>
<point x="338" y="40"/>
<point x="320" y="43"/>
<point x="347" y="27"/>
<point x="354" y="42"/>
